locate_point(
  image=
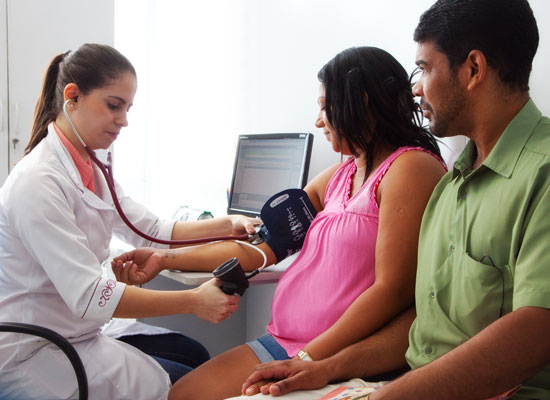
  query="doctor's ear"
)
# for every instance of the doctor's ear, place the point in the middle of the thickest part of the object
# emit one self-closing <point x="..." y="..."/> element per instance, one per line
<point x="71" y="93"/>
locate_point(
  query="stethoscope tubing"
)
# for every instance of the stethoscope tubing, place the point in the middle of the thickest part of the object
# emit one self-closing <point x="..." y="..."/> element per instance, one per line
<point x="107" y="171"/>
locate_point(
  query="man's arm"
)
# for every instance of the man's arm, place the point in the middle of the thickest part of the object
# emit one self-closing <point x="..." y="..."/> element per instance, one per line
<point x="503" y="355"/>
<point x="381" y="352"/>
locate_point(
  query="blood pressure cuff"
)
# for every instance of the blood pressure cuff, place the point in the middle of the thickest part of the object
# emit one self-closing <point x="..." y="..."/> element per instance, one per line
<point x="286" y="217"/>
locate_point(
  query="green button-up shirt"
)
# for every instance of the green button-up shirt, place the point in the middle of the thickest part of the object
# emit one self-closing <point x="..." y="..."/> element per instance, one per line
<point x="484" y="247"/>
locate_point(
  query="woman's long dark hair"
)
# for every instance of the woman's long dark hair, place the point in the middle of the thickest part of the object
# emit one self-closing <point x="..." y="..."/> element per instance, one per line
<point x="369" y="103"/>
<point x="90" y="67"/>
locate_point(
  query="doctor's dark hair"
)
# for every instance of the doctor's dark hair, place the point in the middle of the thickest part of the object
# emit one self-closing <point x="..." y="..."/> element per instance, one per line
<point x="369" y="103"/>
<point x="91" y="66"/>
<point x="505" y="31"/>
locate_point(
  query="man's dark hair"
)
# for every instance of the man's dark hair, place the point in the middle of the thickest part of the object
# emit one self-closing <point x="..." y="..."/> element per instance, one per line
<point x="504" y="30"/>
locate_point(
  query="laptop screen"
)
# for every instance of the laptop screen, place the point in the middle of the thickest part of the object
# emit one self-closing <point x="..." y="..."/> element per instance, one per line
<point x="266" y="164"/>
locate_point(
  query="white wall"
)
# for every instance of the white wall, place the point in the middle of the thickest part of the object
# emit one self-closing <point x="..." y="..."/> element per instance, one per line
<point x="32" y="32"/>
<point x="257" y="74"/>
<point x="259" y="61"/>
<point x="289" y="41"/>
<point x="540" y="82"/>
<point x="38" y="30"/>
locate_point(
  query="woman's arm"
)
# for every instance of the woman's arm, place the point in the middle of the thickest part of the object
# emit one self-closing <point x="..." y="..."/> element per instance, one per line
<point x="221" y="226"/>
<point x="151" y="225"/>
<point x="402" y="195"/>
<point x="237" y="224"/>
<point x="141" y="265"/>
<point x="207" y="302"/>
<point x="208" y="257"/>
<point x="316" y="188"/>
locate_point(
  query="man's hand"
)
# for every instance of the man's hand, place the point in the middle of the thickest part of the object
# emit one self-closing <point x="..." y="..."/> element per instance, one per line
<point x="138" y="266"/>
<point x="282" y="377"/>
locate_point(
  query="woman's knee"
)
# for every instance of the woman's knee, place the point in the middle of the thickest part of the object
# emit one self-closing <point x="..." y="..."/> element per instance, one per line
<point x="220" y="377"/>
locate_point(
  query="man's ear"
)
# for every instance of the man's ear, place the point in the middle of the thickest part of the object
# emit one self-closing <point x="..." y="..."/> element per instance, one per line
<point x="476" y="67"/>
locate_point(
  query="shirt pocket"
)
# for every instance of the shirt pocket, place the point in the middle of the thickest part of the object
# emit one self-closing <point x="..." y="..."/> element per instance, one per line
<point x="479" y="289"/>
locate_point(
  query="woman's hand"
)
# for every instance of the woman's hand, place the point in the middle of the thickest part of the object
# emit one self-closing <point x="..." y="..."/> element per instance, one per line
<point x="212" y="304"/>
<point x="241" y="223"/>
<point x="138" y="266"/>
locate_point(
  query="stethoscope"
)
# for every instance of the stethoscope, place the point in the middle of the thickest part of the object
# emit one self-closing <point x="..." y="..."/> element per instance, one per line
<point x="107" y="171"/>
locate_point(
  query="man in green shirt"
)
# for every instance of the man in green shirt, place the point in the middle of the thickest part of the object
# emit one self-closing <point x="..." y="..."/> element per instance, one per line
<point x="483" y="284"/>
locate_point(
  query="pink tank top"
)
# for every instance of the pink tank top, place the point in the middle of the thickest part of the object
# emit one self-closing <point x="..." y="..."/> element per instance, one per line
<point x="336" y="263"/>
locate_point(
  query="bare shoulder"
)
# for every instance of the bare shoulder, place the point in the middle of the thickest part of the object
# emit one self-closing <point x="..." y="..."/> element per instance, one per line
<point x="316" y="188"/>
<point x="414" y="169"/>
<point x="417" y="163"/>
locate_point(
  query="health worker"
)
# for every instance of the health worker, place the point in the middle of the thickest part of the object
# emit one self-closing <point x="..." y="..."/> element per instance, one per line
<point x="56" y="223"/>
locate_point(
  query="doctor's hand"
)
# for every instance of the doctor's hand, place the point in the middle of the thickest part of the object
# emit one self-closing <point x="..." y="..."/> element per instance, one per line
<point x="138" y="266"/>
<point x="241" y="223"/>
<point x="281" y="377"/>
<point x="212" y="304"/>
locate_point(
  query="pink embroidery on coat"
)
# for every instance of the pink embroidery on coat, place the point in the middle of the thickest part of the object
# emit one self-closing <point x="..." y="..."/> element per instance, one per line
<point x="107" y="292"/>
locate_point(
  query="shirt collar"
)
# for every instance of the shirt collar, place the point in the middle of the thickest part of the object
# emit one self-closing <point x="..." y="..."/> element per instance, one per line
<point x="84" y="167"/>
<point x="504" y="156"/>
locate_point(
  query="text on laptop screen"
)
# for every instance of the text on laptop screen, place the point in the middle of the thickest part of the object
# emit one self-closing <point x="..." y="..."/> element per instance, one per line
<point x="267" y="164"/>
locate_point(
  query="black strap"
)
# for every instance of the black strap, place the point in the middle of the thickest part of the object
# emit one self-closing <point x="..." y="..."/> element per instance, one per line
<point x="60" y="342"/>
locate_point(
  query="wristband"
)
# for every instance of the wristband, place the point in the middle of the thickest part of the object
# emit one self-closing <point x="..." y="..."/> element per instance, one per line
<point x="302" y="355"/>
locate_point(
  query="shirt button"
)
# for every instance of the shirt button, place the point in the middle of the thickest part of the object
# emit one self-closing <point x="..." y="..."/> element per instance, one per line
<point x="432" y="294"/>
<point x="452" y="247"/>
<point x="428" y="350"/>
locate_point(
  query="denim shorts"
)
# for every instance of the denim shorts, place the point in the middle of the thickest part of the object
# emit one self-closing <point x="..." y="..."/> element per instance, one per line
<point x="267" y="349"/>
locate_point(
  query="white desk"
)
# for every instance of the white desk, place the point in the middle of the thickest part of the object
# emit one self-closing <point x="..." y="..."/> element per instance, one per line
<point x="268" y="275"/>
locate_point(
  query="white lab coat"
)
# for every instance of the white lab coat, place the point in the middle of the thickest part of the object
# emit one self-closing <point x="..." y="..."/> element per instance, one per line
<point x="54" y="235"/>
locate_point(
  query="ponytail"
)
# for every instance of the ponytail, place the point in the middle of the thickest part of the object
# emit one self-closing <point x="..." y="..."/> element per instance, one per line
<point x="44" y="112"/>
